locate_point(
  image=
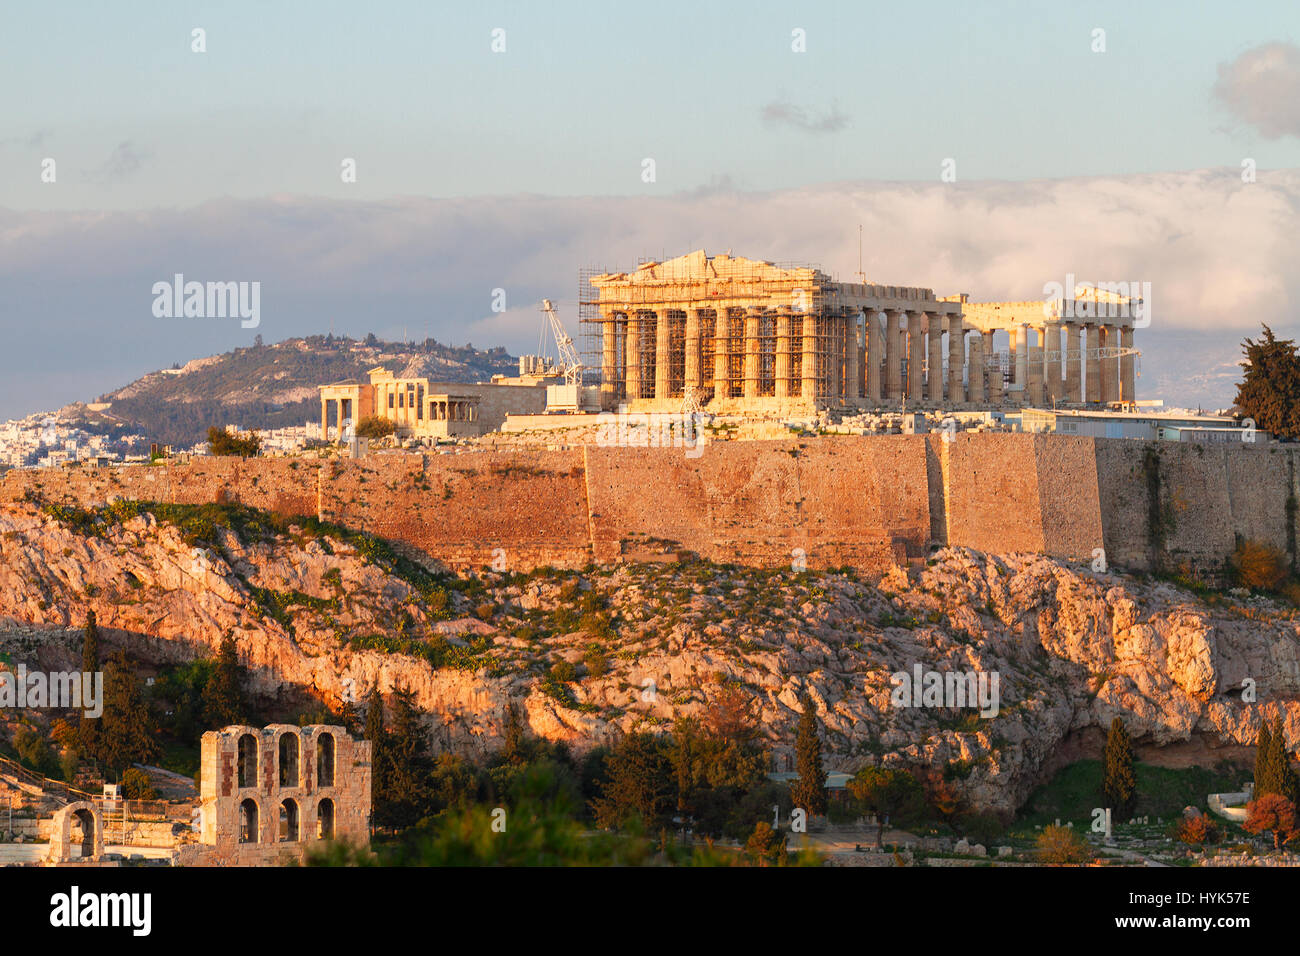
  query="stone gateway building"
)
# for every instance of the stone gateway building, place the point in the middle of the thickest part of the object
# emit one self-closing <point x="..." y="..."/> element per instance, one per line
<point x="746" y="336"/>
<point x="267" y="795"/>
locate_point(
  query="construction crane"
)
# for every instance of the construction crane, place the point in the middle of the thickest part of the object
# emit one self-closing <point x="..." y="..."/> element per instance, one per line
<point x="570" y="365"/>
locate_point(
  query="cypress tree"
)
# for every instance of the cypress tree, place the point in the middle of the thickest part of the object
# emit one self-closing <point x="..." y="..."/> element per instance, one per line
<point x="1119" y="780"/>
<point x="88" y="729"/>
<point x="223" y="699"/>
<point x="379" y="760"/>
<point x="809" y="791"/>
<point x="129" y="734"/>
<point x="1279" y="778"/>
<point x="513" y="733"/>
<point x="1263" y="753"/>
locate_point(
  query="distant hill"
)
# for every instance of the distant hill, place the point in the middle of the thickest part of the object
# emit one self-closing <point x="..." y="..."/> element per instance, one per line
<point x="268" y="386"/>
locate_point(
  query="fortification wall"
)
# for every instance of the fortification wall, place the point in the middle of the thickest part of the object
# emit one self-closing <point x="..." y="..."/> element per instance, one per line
<point x="867" y="501"/>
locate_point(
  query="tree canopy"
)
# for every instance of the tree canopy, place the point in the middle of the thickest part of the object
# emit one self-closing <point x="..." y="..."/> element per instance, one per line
<point x="1269" y="391"/>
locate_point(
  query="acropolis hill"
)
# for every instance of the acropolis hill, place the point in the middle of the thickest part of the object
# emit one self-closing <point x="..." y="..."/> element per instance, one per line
<point x="870" y="502"/>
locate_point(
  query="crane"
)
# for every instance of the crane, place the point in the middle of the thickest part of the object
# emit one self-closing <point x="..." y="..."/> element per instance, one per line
<point x="570" y="365"/>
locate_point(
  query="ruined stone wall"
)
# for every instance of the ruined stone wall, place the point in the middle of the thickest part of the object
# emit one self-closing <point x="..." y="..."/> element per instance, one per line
<point x="866" y="501"/>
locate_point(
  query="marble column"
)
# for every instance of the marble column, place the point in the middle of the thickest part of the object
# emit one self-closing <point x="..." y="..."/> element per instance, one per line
<point x="893" y="355"/>
<point x="875" y="346"/>
<point x="1035" y="379"/>
<point x="781" y="366"/>
<point x="663" y="383"/>
<point x="1110" y="364"/>
<point x="1073" y="364"/>
<point x="608" y="361"/>
<point x="975" y="374"/>
<point x="915" y="355"/>
<point x="852" y="371"/>
<point x="632" y="357"/>
<point x="1093" y="362"/>
<point x="752" y="321"/>
<point x="934" y="372"/>
<point x="808" y="370"/>
<point x="721" y="347"/>
<point x="693" y="378"/>
<point x="993" y="368"/>
<point x="1127" y="370"/>
<point x="956" y="360"/>
<point x="1052" y="363"/>
<point x="1022" y="361"/>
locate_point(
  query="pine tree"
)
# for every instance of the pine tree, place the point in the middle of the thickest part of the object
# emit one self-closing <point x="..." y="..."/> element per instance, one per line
<point x="88" y="729"/>
<point x="1119" y="780"/>
<point x="809" y="791"/>
<point x="640" y="784"/>
<point x="1270" y="388"/>
<point x="409" y="766"/>
<point x="128" y="731"/>
<point x="223" y="698"/>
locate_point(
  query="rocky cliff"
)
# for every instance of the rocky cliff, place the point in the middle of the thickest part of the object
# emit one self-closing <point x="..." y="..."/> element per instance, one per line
<point x="593" y="653"/>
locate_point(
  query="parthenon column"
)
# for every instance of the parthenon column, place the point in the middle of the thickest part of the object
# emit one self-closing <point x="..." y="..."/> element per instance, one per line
<point x="1128" y="379"/>
<point x="662" y="381"/>
<point x="1093" y="362"/>
<point x="875" y="346"/>
<point x="1110" y="364"/>
<point x="781" y="366"/>
<point x="632" y="357"/>
<point x="975" y="374"/>
<point x="993" y="367"/>
<point x="1052" y="361"/>
<point x="834" y="353"/>
<point x="852" y="373"/>
<point x="1073" y="364"/>
<point x="915" y="354"/>
<point x="752" y="315"/>
<point x="893" y="355"/>
<point x="1035" y="380"/>
<point x="1022" y="361"/>
<point x="691" y="363"/>
<point x="956" y="359"/>
<point x="808" y="367"/>
<point x="324" y="419"/>
<point x="608" y="361"/>
<point x="721" y="348"/>
<point x="934" y="375"/>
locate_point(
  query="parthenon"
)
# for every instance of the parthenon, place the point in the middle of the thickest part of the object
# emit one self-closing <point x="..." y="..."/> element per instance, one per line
<point x="744" y="335"/>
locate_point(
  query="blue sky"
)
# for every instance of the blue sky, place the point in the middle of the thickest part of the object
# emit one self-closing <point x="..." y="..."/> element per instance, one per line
<point x="479" y="170"/>
<point x="585" y="91"/>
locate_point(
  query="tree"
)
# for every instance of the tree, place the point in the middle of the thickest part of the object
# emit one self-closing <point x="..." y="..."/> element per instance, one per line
<point x="1258" y="566"/>
<point x="128" y="732"/>
<point x="809" y="791"/>
<point x="512" y="750"/>
<point x="1269" y="391"/>
<point x="887" y="794"/>
<point x="1263" y="751"/>
<point x="1272" y="812"/>
<point x="1273" y="773"/>
<point x="1119" y="779"/>
<point x="375" y="426"/>
<point x="88" y="729"/>
<point x="377" y="734"/>
<point x="1063" y="845"/>
<point x="406" y="796"/>
<point x="765" y="846"/>
<point x="224" y="444"/>
<point x="639" y="785"/>
<point x="223" y="699"/>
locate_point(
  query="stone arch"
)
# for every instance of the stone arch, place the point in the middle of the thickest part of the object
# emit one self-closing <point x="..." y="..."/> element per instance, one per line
<point x="325" y="819"/>
<point x="290" y="753"/>
<point x="91" y="821"/>
<point x="325" y="755"/>
<point x="290" y="831"/>
<point x="247" y="756"/>
<point x="249" y="821"/>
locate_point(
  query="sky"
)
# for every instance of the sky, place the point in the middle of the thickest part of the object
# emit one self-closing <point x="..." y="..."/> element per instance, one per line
<point x="983" y="147"/>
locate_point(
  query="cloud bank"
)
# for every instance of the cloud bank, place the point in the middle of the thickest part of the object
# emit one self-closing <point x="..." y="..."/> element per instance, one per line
<point x="1218" y="252"/>
<point x="1261" y="88"/>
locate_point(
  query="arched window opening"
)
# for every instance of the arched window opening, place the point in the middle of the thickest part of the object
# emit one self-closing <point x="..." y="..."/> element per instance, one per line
<point x="289" y="822"/>
<point x="248" y="821"/>
<point x="247" y="761"/>
<point x="325" y="820"/>
<point x="325" y="760"/>
<point x="288" y="760"/>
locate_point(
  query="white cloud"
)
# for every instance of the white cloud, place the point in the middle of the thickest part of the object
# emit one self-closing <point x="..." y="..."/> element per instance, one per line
<point x="1261" y="88"/>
